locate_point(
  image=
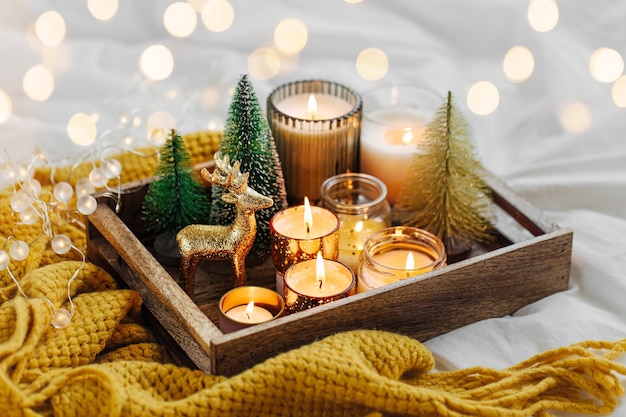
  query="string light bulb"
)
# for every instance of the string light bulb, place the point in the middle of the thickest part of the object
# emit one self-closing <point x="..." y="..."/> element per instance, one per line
<point x="32" y="186"/>
<point x="63" y="191"/>
<point x="29" y="216"/>
<point x="61" y="244"/>
<point x="84" y="187"/>
<point x="61" y="318"/>
<point x="86" y="204"/>
<point x="97" y="178"/>
<point x="8" y="169"/>
<point x="20" y="201"/>
<point x="111" y="168"/>
<point x="19" y="250"/>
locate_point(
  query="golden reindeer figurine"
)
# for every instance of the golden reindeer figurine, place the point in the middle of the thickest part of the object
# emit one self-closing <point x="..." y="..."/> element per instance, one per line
<point x="199" y="242"/>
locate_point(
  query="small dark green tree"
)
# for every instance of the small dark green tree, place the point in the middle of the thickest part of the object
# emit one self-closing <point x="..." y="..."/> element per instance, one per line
<point x="176" y="198"/>
<point x="248" y="139"/>
<point x="445" y="192"/>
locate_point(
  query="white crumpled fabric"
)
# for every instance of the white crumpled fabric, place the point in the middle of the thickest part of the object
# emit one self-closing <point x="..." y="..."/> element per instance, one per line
<point x="577" y="179"/>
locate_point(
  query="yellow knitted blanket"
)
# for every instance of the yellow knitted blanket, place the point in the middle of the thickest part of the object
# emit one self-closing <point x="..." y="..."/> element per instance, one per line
<point x="107" y="364"/>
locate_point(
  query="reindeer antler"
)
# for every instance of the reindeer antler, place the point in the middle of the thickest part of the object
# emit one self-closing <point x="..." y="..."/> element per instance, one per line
<point x="226" y="175"/>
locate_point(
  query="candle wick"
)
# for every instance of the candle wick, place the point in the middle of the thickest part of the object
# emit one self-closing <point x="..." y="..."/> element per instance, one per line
<point x="321" y="283"/>
<point x="308" y="228"/>
<point x="247" y="315"/>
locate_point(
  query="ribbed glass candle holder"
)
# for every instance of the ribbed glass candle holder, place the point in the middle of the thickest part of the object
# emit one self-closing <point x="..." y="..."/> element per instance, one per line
<point x="314" y="143"/>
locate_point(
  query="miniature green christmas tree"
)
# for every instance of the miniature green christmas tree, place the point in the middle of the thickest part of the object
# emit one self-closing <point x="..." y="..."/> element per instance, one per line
<point x="248" y="139"/>
<point x="445" y="192"/>
<point x="176" y="198"/>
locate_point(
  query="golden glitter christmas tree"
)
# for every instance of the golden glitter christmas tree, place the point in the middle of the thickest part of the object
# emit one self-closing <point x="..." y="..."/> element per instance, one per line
<point x="445" y="192"/>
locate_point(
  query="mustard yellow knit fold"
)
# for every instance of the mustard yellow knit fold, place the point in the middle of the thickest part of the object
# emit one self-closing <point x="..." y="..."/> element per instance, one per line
<point x="106" y="363"/>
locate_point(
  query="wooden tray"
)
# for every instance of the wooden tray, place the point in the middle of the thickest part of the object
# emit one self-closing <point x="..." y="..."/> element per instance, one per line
<point x="529" y="260"/>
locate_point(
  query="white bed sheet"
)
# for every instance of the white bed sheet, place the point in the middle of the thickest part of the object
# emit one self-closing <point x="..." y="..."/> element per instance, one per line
<point x="578" y="179"/>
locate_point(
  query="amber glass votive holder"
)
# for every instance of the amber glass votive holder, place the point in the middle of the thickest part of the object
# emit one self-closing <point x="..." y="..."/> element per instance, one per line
<point x="290" y="244"/>
<point x="268" y="304"/>
<point x="302" y="291"/>
<point x="314" y="144"/>
<point x="385" y="256"/>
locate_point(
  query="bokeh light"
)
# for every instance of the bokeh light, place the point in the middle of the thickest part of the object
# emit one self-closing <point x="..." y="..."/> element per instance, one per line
<point x="6" y="106"/>
<point x="38" y="83"/>
<point x="180" y="19"/>
<point x="290" y="36"/>
<point x="483" y="98"/>
<point x="156" y="62"/>
<point x="217" y="15"/>
<point x="372" y="64"/>
<point x="263" y="63"/>
<point x="618" y="92"/>
<point x="50" y="28"/>
<point x="103" y="9"/>
<point x="543" y="15"/>
<point x="518" y="64"/>
<point x="82" y="129"/>
<point x="353" y="1"/>
<point x="606" y="65"/>
<point x="157" y="125"/>
<point x="576" y="117"/>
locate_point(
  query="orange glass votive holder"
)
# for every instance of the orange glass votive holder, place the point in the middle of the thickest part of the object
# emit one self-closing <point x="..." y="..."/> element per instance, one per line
<point x="236" y="313"/>
<point x="292" y="243"/>
<point x="303" y="290"/>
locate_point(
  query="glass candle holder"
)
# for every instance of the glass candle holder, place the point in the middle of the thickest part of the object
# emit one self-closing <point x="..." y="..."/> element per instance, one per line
<point x="235" y="311"/>
<point x="397" y="253"/>
<point x="316" y="126"/>
<point x="292" y="243"/>
<point x="303" y="289"/>
<point x="359" y="200"/>
<point x="393" y="128"/>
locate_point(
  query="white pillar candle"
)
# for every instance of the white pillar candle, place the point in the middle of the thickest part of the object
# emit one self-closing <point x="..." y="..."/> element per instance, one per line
<point x="389" y="140"/>
<point x="394" y="124"/>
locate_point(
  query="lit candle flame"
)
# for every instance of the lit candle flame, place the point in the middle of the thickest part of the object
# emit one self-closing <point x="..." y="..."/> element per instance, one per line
<point x="320" y="275"/>
<point x="358" y="227"/>
<point x="410" y="262"/>
<point x="407" y="137"/>
<point x="308" y="215"/>
<point x="312" y="106"/>
<point x="249" y="310"/>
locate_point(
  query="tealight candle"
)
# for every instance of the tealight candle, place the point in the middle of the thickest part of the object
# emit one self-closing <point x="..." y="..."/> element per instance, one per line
<point x="316" y="282"/>
<point x="392" y="131"/>
<point x="299" y="233"/>
<point x="316" y="126"/>
<point x="359" y="202"/>
<point x="397" y="253"/>
<point x="248" y="305"/>
<point x="249" y="313"/>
